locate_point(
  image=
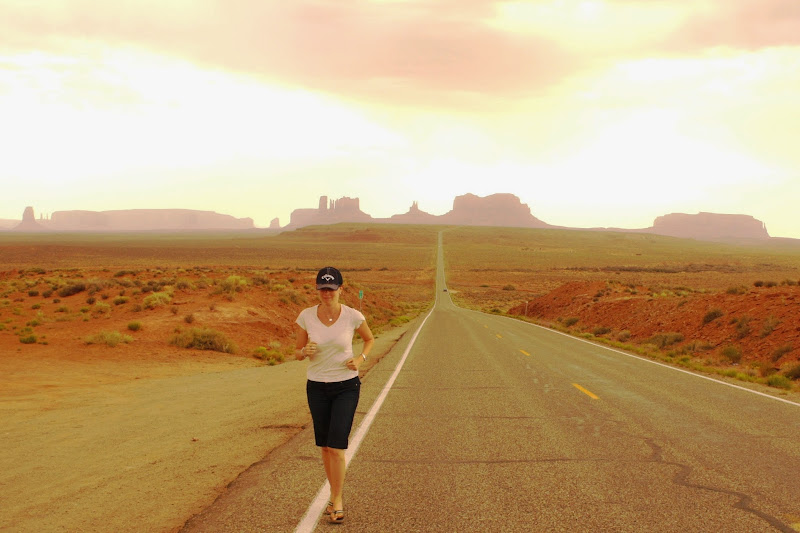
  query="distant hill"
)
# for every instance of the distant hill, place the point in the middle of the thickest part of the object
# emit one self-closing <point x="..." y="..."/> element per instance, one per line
<point x="133" y="220"/>
<point x="500" y="209"/>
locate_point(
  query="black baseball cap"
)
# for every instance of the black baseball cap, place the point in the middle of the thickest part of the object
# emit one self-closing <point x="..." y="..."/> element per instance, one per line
<point x="329" y="278"/>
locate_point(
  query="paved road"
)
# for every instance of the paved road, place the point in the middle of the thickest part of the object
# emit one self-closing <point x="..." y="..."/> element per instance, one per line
<point x="497" y="425"/>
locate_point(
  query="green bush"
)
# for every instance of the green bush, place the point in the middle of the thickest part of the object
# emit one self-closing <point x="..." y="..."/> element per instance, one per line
<point x="28" y="339"/>
<point x="769" y="325"/>
<point x="203" y="339"/>
<point x="732" y="353"/>
<point x="600" y="330"/>
<point x="743" y="327"/>
<point x="119" y="300"/>
<point x="157" y="299"/>
<point x="271" y="355"/>
<point x="33" y="293"/>
<point x="624" y="336"/>
<point x="109" y="338"/>
<point x="134" y="326"/>
<point x="712" y="315"/>
<point x="571" y="321"/>
<point x="781" y="382"/>
<point x="73" y="288"/>
<point x="663" y="340"/>
<point x="509" y="287"/>
<point x="233" y="284"/>
<point x="793" y="372"/>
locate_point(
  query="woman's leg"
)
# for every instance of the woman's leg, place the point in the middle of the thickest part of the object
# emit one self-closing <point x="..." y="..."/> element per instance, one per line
<point x="335" y="469"/>
<point x="343" y="410"/>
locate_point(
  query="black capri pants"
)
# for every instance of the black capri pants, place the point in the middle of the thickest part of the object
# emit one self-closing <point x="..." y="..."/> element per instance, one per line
<point x="333" y="407"/>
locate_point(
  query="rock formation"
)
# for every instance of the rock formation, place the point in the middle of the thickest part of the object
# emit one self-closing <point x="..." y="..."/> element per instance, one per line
<point x="341" y="210"/>
<point x="468" y="210"/>
<point x="494" y="210"/>
<point x="29" y="222"/>
<point x="710" y="227"/>
<point x="146" y="220"/>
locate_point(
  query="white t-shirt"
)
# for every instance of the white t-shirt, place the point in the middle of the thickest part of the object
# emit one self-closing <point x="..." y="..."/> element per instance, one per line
<point x="334" y="343"/>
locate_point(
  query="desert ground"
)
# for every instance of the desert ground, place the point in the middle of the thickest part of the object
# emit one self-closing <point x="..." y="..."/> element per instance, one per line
<point x="140" y="375"/>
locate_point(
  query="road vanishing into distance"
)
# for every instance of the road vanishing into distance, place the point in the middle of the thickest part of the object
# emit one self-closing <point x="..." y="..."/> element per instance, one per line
<point x="480" y="422"/>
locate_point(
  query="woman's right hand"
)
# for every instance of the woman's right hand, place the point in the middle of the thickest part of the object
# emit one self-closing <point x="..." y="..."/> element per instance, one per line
<point x="310" y="350"/>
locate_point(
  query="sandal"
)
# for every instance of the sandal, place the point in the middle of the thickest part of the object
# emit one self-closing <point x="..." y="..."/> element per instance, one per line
<point x="329" y="507"/>
<point x="337" y="516"/>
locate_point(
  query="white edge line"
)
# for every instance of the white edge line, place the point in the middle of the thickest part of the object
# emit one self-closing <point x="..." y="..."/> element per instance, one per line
<point x="310" y="519"/>
<point x="646" y="360"/>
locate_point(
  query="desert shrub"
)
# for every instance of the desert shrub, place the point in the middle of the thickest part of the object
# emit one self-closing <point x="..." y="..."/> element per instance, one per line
<point x="233" y="284"/>
<point x="793" y="372"/>
<point x="764" y="369"/>
<point x="789" y="282"/>
<point x="732" y="353"/>
<point x="33" y="293"/>
<point x="28" y="339"/>
<point x="771" y="284"/>
<point x="157" y="299"/>
<point x="758" y="283"/>
<point x="663" y="340"/>
<point x="509" y="287"/>
<point x="91" y="300"/>
<point x="778" y="381"/>
<point x="72" y="288"/>
<point x="101" y="308"/>
<point x="124" y="273"/>
<point x="571" y="321"/>
<point x="743" y="327"/>
<point x="119" y="300"/>
<point x="109" y="338"/>
<point x="134" y="326"/>
<point x="47" y="294"/>
<point x="769" y="325"/>
<point x="184" y="284"/>
<point x="174" y="309"/>
<point x="203" y="339"/>
<point x="737" y="290"/>
<point x="712" y="315"/>
<point x="780" y="351"/>
<point x="62" y="309"/>
<point x="189" y="318"/>
<point x="36" y="306"/>
<point x="271" y="355"/>
<point x="601" y="330"/>
<point x="624" y="336"/>
<point x="399" y="320"/>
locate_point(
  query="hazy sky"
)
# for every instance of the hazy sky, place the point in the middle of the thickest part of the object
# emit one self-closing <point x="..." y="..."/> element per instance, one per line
<point x="595" y="113"/>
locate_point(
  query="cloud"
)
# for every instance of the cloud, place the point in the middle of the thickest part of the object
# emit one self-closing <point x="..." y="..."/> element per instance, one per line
<point x="738" y="24"/>
<point x="407" y="52"/>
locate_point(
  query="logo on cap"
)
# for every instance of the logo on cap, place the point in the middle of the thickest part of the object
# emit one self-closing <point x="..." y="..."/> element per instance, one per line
<point x="328" y="277"/>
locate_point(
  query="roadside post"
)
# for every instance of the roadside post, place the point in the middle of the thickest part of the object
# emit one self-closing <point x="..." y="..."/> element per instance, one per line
<point x="360" y="299"/>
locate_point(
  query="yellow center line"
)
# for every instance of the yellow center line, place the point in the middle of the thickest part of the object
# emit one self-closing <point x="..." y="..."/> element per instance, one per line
<point x="499" y="336"/>
<point x="526" y="353"/>
<point x="586" y="392"/>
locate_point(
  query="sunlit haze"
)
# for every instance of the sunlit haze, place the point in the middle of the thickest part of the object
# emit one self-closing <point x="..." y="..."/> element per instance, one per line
<point x="597" y="113"/>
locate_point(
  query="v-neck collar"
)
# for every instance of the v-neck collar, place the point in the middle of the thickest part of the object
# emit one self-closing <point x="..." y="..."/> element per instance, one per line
<point x="328" y="324"/>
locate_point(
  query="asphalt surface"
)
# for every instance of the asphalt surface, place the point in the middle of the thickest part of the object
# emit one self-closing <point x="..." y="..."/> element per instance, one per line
<point x="494" y="424"/>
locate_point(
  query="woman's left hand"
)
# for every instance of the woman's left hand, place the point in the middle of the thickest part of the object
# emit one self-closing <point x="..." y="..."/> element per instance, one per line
<point x="353" y="363"/>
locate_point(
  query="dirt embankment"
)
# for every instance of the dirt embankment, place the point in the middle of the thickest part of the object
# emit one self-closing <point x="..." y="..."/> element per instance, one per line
<point x="762" y="323"/>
